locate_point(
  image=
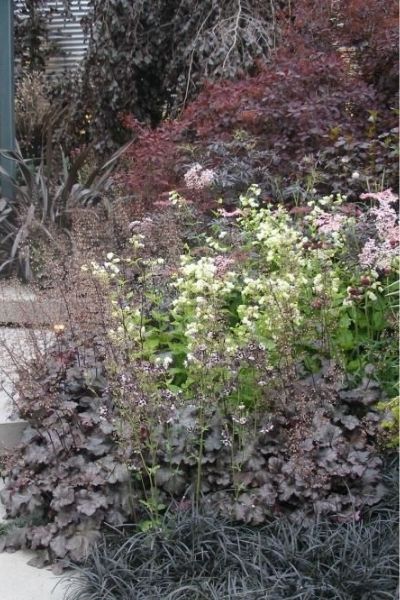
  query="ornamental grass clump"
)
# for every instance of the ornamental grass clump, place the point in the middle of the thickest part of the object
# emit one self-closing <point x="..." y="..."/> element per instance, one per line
<point x="191" y="556"/>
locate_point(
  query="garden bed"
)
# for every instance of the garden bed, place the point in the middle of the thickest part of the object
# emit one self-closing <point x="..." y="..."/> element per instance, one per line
<point x="211" y="408"/>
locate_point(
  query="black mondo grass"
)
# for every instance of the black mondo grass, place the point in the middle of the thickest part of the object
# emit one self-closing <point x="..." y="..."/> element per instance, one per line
<point x="196" y="557"/>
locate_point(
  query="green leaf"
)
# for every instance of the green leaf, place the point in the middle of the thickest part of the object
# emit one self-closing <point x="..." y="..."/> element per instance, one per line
<point x="176" y="370"/>
<point x="150" y="344"/>
<point x="345" y="339"/>
<point x="361" y="320"/>
<point x="345" y="321"/>
<point x="312" y="364"/>
<point x="378" y="321"/>
<point x="147" y="525"/>
<point x="158" y="316"/>
<point x="354" y="365"/>
<point x="177" y="348"/>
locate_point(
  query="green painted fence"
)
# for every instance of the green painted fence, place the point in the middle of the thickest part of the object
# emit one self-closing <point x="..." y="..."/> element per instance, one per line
<point x="7" y="117"/>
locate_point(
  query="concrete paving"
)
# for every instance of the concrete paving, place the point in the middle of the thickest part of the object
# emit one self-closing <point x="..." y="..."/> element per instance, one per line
<point x="20" y="581"/>
<point x="21" y="305"/>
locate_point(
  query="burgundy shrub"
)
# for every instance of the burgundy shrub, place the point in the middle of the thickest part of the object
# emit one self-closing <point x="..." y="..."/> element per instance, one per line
<point x="317" y="114"/>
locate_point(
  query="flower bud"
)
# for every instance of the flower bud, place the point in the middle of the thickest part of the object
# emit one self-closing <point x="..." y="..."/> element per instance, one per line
<point x="365" y="280"/>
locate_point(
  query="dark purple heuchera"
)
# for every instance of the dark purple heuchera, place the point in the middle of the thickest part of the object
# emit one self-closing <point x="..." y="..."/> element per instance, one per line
<point x="311" y="456"/>
<point x="310" y="452"/>
<point x="66" y="478"/>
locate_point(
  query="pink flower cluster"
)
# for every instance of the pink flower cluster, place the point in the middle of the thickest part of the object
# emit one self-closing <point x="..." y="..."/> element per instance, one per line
<point x="379" y="253"/>
<point x="228" y="214"/>
<point x="198" y="178"/>
<point x="223" y="263"/>
<point x="329" y="222"/>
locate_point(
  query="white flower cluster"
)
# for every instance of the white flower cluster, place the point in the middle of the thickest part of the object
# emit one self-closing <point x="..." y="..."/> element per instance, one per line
<point x="136" y="241"/>
<point x="250" y="200"/>
<point x="327" y="284"/>
<point x="272" y="304"/>
<point x="267" y="294"/>
<point x="109" y="269"/>
<point x="177" y="199"/>
<point x="164" y="361"/>
<point x="111" y="265"/>
<point x="200" y="293"/>
<point x="272" y="291"/>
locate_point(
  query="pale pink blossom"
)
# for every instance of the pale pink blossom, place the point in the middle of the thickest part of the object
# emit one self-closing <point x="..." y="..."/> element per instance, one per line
<point x="223" y="263"/>
<point x="377" y="257"/>
<point x="380" y="252"/>
<point x="369" y="254"/>
<point x="234" y="213"/>
<point x="330" y="223"/>
<point x="198" y="178"/>
<point x="387" y="196"/>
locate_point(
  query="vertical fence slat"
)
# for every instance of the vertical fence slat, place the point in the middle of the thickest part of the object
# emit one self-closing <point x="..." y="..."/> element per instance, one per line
<point x="7" y="116"/>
